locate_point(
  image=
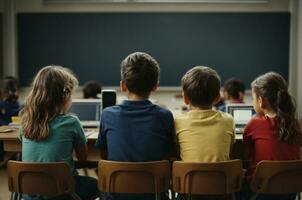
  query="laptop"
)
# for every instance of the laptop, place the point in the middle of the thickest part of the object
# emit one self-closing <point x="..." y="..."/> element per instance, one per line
<point x="88" y="111"/>
<point x="242" y="114"/>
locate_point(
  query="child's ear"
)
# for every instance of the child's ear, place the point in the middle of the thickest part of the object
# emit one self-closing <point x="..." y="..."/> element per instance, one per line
<point x="123" y="86"/>
<point x="186" y="99"/>
<point x="241" y="95"/>
<point x="155" y="87"/>
<point x="216" y="100"/>
<point x="261" y="102"/>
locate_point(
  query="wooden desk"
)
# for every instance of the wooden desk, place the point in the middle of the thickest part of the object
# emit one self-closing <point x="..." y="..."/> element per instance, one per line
<point x="12" y="143"/>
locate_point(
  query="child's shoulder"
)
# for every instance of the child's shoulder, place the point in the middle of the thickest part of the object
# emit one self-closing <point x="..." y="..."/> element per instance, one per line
<point x="258" y="119"/>
<point x="66" y="118"/>
<point x="225" y="116"/>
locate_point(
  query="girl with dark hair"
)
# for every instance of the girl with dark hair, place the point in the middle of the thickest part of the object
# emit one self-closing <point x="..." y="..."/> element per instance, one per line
<point x="275" y="134"/>
<point x="9" y="105"/>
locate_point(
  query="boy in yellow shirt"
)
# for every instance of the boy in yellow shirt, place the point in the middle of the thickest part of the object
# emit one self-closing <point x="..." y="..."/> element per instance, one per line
<point x="203" y="134"/>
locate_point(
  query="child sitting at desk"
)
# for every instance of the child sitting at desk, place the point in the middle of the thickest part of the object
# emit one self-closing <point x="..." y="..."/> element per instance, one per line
<point x="276" y="133"/>
<point x="91" y="90"/>
<point x="203" y="134"/>
<point x="136" y="130"/>
<point x="49" y="134"/>
<point x="232" y="92"/>
<point x="9" y="106"/>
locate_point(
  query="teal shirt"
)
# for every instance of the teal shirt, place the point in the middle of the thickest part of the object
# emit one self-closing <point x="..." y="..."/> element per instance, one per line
<point x="66" y="133"/>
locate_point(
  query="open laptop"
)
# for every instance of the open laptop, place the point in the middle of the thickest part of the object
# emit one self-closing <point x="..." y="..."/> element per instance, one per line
<point x="88" y="111"/>
<point x="242" y="113"/>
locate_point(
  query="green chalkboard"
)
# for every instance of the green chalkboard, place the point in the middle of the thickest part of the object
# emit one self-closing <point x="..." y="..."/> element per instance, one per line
<point x="243" y="45"/>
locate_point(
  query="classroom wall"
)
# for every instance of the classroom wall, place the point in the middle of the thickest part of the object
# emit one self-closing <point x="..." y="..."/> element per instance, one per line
<point x="299" y="59"/>
<point x="293" y="6"/>
<point x="21" y="6"/>
<point x="1" y="36"/>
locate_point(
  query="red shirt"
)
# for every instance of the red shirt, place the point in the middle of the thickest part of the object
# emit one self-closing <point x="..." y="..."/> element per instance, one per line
<point x="262" y="132"/>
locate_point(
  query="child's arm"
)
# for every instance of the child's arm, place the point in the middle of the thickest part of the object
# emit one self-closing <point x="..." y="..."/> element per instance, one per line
<point x="81" y="152"/>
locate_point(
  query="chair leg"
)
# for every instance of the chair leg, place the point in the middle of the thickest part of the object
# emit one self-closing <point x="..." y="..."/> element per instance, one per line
<point x="14" y="196"/>
<point x="74" y="196"/>
<point x="254" y="197"/>
<point x="233" y="196"/>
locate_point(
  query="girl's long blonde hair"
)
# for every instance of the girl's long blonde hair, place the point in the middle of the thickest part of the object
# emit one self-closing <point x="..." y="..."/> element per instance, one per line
<point x="51" y="88"/>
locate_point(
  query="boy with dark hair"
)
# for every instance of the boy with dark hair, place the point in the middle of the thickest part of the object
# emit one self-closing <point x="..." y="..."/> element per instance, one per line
<point x="136" y="130"/>
<point x="233" y="90"/>
<point x="203" y="134"/>
<point x="91" y="90"/>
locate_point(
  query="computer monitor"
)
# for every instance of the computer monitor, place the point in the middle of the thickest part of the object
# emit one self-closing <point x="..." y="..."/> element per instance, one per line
<point x="108" y="98"/>
<point x="87" y="110"/>
<point x="242" y="113"/>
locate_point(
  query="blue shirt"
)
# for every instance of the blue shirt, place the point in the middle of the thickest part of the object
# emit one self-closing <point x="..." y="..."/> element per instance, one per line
<point x="65" y="134"/>
<point x="7" y="110"/>
<point x="136" y="131"/>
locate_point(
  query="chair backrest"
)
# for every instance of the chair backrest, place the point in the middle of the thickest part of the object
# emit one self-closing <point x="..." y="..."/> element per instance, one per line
<point x="49" y="179"/>
<point x="207" y="178"/>
<point x="134" y="177"/>
<point x="278" y="177"/>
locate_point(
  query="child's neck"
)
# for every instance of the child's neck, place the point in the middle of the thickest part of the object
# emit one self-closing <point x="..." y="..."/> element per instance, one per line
<point x="200" y="107"/>
<point x="236" y="100"/>
<point x="269" y="113"/>
<point x="135" y="97"/>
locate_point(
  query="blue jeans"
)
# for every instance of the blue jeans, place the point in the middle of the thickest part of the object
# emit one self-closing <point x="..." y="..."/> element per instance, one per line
<point x="85" y="188"/>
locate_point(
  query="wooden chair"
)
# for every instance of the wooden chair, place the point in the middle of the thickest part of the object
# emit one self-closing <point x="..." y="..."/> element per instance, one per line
<point x="134" y="177"/>
<point x="216" y="178"/>
<point x="277" y="177"/>
<point x="46" y="179"/>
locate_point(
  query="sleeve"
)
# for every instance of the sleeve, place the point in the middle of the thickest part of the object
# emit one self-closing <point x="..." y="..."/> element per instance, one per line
<point x="248" y="132"/>
<point x="101" y="142"/>
<point x="233" y="132"/>
<point x="170" y="133"/>
<point x="80" y="138"/>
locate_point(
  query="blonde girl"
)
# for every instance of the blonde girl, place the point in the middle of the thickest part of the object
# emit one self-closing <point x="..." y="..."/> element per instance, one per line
<point x="49" y="133"/>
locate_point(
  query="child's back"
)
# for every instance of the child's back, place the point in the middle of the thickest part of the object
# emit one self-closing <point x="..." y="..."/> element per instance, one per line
<point x="50" y="135"/>
<point x="136" y="130"/>
<point x="203" y="135"/>
<point x="275" y="134"/>
<point x="65" y="134"/>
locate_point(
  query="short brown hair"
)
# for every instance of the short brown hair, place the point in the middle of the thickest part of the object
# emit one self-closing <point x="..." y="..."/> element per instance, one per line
<point x="201" y="85"/>
<point x="140" y="72"/>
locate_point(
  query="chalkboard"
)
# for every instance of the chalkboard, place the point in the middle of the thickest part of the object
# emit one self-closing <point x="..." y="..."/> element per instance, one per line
<point x="241" y="45"/>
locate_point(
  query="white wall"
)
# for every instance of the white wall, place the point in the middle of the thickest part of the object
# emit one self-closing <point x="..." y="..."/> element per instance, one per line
<point x="9" y="39"/>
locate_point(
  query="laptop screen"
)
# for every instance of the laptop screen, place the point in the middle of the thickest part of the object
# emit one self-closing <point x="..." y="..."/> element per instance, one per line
<point x="86" y="110"/>
<point x="242" y="116"/>
<point x="242" y="113"/>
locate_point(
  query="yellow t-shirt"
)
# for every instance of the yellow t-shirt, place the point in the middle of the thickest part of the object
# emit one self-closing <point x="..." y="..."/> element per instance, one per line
<point x="204" y="135"/>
